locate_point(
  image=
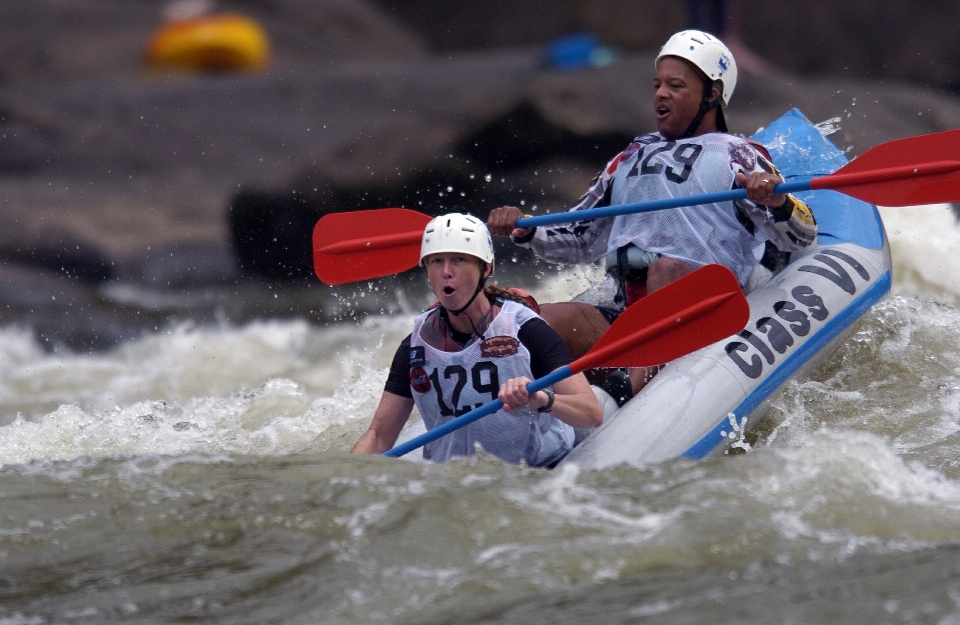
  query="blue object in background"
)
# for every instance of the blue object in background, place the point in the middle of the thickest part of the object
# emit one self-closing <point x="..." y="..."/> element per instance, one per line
<point x="577" y="51"/>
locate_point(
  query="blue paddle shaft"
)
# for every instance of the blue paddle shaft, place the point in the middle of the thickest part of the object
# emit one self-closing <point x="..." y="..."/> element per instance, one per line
<point x="654" y="205"/>
<point x="475" y="414"/>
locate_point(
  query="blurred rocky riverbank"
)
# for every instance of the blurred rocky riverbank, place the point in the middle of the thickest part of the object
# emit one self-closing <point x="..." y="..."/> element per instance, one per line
<point x="139" y="196"/>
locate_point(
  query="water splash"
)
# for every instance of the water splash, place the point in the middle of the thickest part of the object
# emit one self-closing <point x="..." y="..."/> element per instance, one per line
<point x="828" y="126"/>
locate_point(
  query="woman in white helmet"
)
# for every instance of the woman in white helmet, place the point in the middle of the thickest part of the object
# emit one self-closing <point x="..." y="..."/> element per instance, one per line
<point x="473" y="347"/>
<point x="690" y="154"/>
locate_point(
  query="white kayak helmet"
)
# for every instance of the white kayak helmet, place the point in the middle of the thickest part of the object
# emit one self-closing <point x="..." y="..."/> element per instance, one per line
<point x="708" y="54"/>
<point x="456" y="232"/>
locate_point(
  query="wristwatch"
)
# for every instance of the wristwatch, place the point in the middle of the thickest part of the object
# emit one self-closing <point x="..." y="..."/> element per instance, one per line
<point x="550" y="397"/>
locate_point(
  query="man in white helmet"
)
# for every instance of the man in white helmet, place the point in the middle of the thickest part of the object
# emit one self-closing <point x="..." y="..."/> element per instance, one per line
<point x="474" y="346"/>
<point x="690" y="154"/>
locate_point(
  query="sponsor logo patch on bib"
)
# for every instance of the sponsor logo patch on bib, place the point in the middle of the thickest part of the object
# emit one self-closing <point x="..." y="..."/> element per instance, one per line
<point x="417" y="357"/>
<point x="419" y="381"/>
<point x="742" y="154"/>
<point x="499" y="346"/>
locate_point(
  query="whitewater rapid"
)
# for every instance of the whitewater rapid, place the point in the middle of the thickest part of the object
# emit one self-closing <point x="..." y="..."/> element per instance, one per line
<point x="200" y="473"/>
<point x="287" y="386"/>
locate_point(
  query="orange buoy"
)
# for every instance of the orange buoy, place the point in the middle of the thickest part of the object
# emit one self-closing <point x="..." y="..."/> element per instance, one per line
<point x="210" y="43"/>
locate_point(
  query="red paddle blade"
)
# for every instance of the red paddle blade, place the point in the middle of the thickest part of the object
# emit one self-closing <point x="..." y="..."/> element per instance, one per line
<point x="367" y="244"/>
<point x="697" y="310"/>
<point x="904" y="172"/>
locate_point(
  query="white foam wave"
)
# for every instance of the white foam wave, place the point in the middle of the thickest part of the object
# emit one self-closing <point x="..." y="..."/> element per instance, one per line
<point x="269" y="387"/>
<point x="568" y="283"/>
<point x="897" y="375"/>
<point x="925" y="244"/>
<point x="848" y="490"/>
<point x="185" y="362"/>
<point x="562" y="493"/>
<point x="276" y="418"/>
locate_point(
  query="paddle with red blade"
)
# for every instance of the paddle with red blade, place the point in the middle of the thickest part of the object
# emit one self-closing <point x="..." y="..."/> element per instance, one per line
<point x="367" y="244"/>
<point x="701" y="308"/>
<point x="905" y="172"/>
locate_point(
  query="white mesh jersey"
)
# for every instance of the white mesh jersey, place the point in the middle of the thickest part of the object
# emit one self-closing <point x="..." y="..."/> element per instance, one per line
<point x="449" y="384"/>
<point x="652" y="168"/>
<point x="697" y="235"/>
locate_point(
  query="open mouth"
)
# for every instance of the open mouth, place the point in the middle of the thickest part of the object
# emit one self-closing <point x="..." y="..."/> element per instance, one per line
<point x="448" y="290"/>
<point x="662" y="112"/>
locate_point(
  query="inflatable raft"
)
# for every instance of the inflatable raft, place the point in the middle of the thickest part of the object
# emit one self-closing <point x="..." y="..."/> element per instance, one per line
<point x="703" y="402"/>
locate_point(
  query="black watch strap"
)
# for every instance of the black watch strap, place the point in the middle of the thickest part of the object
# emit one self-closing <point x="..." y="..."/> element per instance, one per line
<point x="550" y="397"/>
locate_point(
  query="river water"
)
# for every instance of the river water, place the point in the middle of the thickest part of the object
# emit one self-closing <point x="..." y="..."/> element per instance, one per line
<point x="199" y="473"/>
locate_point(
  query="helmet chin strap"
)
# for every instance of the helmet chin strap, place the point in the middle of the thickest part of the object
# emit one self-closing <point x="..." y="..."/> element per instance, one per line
<point x="459" y="311"/>
<point x="480" y="285"/>
<point x="706" y="105"/>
